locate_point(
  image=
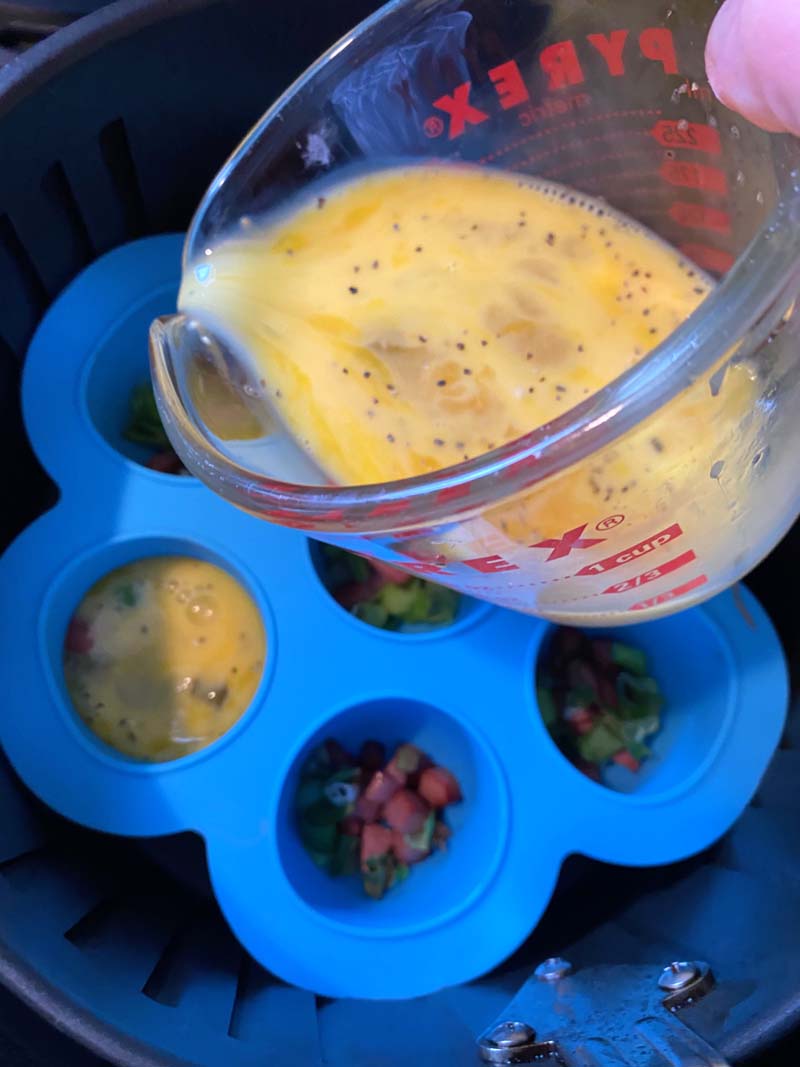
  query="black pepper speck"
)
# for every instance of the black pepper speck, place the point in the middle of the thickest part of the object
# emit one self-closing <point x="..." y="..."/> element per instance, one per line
<point x="353" y="289"/>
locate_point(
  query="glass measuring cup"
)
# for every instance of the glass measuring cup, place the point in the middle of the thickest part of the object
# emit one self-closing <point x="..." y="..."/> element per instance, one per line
<point x="656" y="492"/>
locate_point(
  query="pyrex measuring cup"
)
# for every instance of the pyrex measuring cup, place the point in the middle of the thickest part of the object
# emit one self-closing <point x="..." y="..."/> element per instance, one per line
<point x="654" y="493"/>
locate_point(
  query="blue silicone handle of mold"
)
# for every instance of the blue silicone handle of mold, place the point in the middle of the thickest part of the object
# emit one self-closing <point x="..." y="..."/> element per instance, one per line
<point x="465" y="693"/>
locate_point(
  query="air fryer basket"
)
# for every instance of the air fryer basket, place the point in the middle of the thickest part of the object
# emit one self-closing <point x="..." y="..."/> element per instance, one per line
<point x="110" y="130"/>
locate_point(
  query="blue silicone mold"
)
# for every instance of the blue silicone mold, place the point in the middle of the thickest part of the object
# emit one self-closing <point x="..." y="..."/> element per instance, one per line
<point x="465" y="694"/>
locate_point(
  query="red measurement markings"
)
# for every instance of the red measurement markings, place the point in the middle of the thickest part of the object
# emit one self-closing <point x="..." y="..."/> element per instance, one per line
<point x="627" y="555"/>
<point x="664" y="598"/>
<point x="694" y="176"/>
<point x="714" y="259"/>
<point x="700" y="217"/>
<point x="562" y="546"/>
<point x="653" y="573"/>
<point x="694" y="135"/>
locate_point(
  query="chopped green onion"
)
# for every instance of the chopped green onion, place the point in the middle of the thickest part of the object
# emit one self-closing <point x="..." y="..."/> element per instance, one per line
<point x="629" y="658"/>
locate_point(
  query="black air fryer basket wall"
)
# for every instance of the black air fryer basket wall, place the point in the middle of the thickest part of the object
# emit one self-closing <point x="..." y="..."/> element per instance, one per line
<point x="111" y="130"/>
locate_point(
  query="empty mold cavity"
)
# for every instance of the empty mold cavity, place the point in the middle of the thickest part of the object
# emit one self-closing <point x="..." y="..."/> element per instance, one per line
<point x="691" y="661"/>
<point x="117" y="384"/>
<point x="119" y="655"/>
<point x="361" y="592"/>
<point x="445" y="883"/>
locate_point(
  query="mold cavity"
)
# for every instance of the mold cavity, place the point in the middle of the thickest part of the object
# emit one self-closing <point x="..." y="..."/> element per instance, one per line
<point x="162" y="653"/>
<point x="118" y="393"/>
<point x="449" y="879"/>
<point x="388" y="598"/>
<point x="638" y="709"/>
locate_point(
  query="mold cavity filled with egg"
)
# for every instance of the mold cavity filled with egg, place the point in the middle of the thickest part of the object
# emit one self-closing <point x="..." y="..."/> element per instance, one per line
<point x="163" y="656"/>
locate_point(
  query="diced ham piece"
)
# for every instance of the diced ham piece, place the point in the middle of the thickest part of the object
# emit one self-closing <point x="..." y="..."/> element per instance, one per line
<point x="625" y="759"/>
<point x="406" y="812"/>
<point x="376" y="840"/>
<point x="383" y="786"/>
<point x="368" y="810"/>
<point x="439" y="787"/>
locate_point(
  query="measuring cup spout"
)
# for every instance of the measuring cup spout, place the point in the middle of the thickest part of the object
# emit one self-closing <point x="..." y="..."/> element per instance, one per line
<point x="215" y="411"/>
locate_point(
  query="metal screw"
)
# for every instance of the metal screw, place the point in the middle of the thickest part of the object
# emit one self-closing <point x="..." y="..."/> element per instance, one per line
<point x="553" y="969"/>
<point x="678" y="975"/>
<point x="504" y="1040"/>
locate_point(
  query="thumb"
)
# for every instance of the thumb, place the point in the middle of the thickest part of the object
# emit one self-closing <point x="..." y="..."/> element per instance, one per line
<point x="753" y="61"/>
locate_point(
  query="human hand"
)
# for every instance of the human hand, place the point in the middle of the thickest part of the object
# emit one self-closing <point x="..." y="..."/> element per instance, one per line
<point x="753" y="61"/>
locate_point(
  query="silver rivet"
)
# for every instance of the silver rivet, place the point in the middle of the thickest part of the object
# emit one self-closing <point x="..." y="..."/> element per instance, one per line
<point x="553" y="969"/>
<point x="510" y="1035"/>
<point x="678" y="975"/>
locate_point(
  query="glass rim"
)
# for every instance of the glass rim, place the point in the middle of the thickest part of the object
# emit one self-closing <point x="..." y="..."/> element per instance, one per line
<point x="767" y="269"/>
